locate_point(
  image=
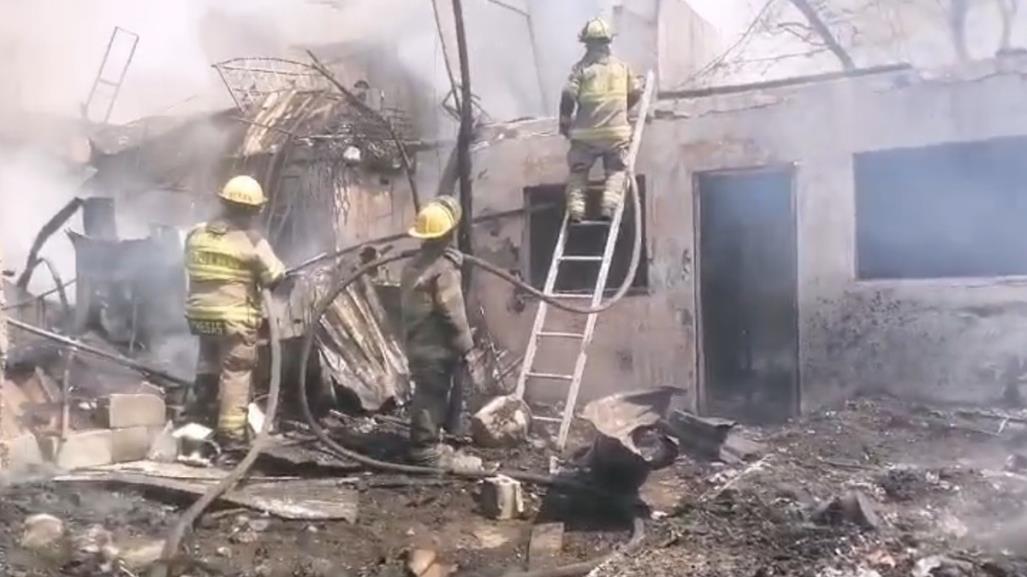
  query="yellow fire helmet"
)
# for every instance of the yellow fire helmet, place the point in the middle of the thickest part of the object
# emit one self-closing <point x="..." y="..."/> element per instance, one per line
<point x="244" y="190"/>
<point x="451" y="204"/>
<point x="436" y="219"/>
<point x="596" y="30"/>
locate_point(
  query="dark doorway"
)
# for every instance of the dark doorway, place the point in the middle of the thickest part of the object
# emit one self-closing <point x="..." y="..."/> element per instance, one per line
<point x="747" y="277"/>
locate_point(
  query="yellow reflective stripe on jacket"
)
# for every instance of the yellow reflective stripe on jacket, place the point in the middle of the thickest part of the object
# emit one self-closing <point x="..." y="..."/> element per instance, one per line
<point x="214" y="257"/>
<point x="602" y="133"/>
<point x="236" y="313"/>
<point x="200" y="268"/>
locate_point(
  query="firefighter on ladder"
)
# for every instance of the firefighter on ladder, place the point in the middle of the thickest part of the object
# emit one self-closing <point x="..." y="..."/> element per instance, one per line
<point x="228" y="262"/>
<point x="594" y="115"/>
<point x="436" y="334"/>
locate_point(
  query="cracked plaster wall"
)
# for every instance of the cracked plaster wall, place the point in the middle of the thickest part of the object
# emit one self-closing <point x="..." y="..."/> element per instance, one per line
<point x="942" y="339"/>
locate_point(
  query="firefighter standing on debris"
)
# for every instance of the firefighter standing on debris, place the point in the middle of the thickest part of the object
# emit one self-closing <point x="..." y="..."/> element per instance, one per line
<point x="436" y="335"/>
<point x="594" y="115"/>
<point x="228" y="262"/>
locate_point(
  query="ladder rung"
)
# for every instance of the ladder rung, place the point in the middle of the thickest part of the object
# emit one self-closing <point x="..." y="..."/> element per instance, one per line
<point x="551" y="376"/>
<point x="581" y="258"/>
<point x="570" y="296"/>
<point x="548" y="419"/>
<point x="590" y="223"/>
<point x="558" y="335"/>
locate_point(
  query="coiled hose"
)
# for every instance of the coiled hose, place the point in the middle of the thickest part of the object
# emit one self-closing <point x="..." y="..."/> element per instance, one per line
<point x="174" y="539"/>
<point x="189" y="517"/>
<point x="333" y="447"/>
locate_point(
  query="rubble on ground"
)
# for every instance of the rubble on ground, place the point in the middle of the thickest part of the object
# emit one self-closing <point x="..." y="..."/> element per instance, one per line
<point x="942" y="497"/>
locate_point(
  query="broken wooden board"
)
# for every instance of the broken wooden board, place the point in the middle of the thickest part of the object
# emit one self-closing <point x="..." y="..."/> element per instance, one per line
<point x="289" y="498"/>
<point x="307" y="455"/>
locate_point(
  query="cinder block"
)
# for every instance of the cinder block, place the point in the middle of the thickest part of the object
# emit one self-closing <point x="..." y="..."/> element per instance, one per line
<point x="132" y="443"/>
<point x="86" y="449"/>
<point x="142" y="410"/>
<point x="20" y="453"/>
<point x="502" y="498"/>
<point x="545" y="545"/>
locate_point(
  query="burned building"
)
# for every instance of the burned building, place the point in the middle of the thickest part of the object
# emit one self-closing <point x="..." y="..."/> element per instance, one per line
<point x="804" y="240"/>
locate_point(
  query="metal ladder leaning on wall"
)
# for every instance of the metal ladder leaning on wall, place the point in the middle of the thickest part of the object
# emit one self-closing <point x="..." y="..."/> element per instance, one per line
<point x="538" y="330"/>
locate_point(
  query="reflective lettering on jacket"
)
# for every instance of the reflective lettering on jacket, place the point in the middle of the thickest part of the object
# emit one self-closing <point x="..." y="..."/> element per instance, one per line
<point x="434" y="320"/>
<point x="600" y="86"/>
<point x="227" y="266"/>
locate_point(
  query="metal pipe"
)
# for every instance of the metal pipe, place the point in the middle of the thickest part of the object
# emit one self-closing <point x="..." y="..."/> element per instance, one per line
<point x="464" y="239"/>
<point x="82" y="347"/>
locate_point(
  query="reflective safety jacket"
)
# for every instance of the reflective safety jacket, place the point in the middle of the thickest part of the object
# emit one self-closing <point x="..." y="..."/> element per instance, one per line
<point x="432" y="301"/>
<point x="227" y="266"/>
<point x="600" y="86"/>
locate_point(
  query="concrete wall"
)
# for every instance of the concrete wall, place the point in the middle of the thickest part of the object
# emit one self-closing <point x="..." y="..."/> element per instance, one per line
<point x="947" y="339"/>
<point x="940" y="339"/>
<point x="648" y="339"/>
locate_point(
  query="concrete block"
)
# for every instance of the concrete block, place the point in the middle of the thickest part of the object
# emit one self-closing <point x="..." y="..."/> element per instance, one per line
<point x="86" y="449"/>
<point x="502" y="422"/>
<point x="132" y="443"/>
<point x="142" y="410"/>
<point x="545" y="545"/>
<point x="502" y="498"/>
<point x="19" y="453"/>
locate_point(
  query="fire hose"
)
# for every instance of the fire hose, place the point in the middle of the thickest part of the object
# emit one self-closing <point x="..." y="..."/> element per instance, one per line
<point x="189" y="517"/>
<point x="638" y="530"/>
<point x="186" y="521"/>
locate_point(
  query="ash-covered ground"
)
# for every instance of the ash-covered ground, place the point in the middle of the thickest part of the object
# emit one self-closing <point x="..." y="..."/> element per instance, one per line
<point x="945" y="493"/>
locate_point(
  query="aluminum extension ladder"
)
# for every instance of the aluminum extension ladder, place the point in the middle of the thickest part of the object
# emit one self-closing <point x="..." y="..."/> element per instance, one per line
<point x="538" y="330"/>
<point x="111" y="75"/>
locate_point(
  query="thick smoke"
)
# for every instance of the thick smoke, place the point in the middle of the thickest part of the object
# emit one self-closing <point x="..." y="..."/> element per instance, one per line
<point x="171" y="71"/>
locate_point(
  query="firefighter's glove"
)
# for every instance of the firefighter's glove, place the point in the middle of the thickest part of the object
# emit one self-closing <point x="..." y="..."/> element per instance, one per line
<point x="565" y="126"/>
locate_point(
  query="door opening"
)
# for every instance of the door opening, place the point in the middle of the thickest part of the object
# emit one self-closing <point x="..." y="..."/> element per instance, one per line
<point x="749" y="359"/>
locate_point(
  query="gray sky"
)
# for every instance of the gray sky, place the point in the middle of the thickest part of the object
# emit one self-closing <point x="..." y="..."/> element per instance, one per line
<point x="728" y="15"/>
<point x="171" y="71"/>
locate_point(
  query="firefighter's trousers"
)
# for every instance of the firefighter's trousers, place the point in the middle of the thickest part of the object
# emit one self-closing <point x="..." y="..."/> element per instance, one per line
<point x="580" y="159"/>
<point x="232" y="358"/>
<point x="433" y="380"/>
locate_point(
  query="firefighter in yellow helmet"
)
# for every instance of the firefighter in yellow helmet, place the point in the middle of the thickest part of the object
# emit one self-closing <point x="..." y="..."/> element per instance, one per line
<point x="228" y="261"/>
<point x="594" y="115"/>
<point x="436" y="335"/>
